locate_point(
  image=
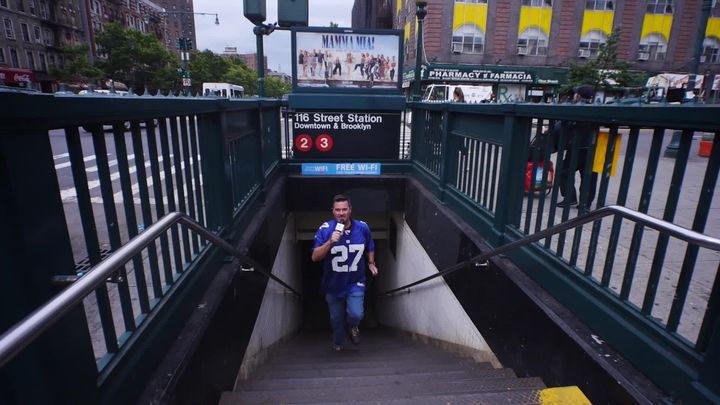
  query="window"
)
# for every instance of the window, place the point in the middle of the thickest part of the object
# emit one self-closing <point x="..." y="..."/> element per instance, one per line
<point x="51" y="60"/>
<point x="47" y="37"/>
<point x="532" y="41"/>
<point x="471" y="1"/>
<point x="4" y="3"/>
<point x="590" y="44"/>
<point x="44" y="9"/>
<point x="711" y="46"/>
<point x="25" y="32"/>
<point x="33" y="7"/>
<point x="15" y="61"/>
<point x="36" y="34"/>
<point x="20" y="6"/>
<point x="468" y="38"/>
<point x="9" y="31"/>
<point x="43" y="62"/>
<point x="537" y="3"/>
<point x="659" y="7"/>
<point x="598" y="5"/>
<point x="652" y="47"/>
<point x="30" y="60"/>
<point x="2" y="55"/>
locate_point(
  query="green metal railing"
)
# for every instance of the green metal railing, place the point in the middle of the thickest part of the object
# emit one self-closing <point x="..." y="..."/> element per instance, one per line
<point x="82" y="176"/>
<point x="651" y="296"/>
<point x="78" y="185"/>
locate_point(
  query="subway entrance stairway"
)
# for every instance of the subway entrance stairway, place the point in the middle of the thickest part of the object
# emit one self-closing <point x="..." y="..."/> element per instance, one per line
<point x="387" y="367"/>
<point x="624" y="309"/>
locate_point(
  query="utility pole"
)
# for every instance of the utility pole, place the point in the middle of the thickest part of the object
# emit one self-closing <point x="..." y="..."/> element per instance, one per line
<point x="420" y="12"/>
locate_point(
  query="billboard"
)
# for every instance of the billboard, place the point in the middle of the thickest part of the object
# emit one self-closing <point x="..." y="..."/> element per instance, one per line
<point x="332" y="60"/>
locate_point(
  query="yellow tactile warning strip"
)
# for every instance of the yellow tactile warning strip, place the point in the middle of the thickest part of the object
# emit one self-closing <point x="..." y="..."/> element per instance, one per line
<point x="563" y="396"/>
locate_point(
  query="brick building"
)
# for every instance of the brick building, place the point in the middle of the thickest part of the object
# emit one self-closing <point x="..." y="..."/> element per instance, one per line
<point x="36" y="31"/>
<point x="475" y="41"/>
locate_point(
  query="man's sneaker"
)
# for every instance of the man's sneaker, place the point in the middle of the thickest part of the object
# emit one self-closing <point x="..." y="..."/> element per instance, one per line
<point x="355" y="335"/>
<point x="337" y="348"/>
<point x="567" y="203"/>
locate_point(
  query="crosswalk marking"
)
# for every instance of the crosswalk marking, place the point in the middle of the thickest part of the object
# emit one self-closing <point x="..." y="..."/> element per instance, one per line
<point x="70" y="195"/>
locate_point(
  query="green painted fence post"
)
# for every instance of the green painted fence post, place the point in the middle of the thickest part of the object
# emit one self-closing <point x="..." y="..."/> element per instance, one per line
<point x="35" y="246"/>
<point x="511" y="187"/>
<point x="216" y="170"/>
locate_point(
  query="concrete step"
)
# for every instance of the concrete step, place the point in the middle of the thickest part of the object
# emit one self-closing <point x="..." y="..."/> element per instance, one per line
<point x="318" y="371"/>
<point x="380" y="392"/>
<point x="373" y="380"/>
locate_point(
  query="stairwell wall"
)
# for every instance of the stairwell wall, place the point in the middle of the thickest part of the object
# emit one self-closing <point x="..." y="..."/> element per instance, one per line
<point x="429" y="310"/>
<point x="280" y="313"/>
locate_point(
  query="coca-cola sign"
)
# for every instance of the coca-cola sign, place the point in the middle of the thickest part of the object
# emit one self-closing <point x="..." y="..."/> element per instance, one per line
<point x="11" y="76"/>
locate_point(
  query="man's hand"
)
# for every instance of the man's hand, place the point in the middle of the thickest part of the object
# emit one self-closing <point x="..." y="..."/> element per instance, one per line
<point x="335" y="236"/>
<point x="373" y="269"/>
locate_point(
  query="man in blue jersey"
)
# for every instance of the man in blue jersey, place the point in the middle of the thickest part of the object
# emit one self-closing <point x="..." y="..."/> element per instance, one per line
<point x="342" y="244"/>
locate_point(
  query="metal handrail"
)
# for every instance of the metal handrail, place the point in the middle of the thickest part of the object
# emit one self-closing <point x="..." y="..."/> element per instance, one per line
<point x="33" y="325"/>
<point x="679" y="232"/>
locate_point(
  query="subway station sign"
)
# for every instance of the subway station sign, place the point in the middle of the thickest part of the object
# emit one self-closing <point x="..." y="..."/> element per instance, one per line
<point x="346" y="135"/>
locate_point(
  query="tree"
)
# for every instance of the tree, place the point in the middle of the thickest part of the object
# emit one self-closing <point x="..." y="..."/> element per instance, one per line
<point x="605" y="71"/>
<point x="137" y="59"/>
<point x="77" y="66"/>
<point x="334" y="24"/>
<point x="239" y="74"/>
<point x="206" y="66"/>
<point x="275" y="87"/>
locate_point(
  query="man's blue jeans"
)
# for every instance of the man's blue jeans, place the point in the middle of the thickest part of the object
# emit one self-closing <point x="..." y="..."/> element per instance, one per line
<point x="353" y="304"/>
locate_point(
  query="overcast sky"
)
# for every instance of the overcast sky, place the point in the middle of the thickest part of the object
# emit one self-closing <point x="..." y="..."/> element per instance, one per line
<point x="235" y="30"/>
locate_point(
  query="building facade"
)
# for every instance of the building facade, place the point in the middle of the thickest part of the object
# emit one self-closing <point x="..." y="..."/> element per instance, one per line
<point x="524" y="46"/>
<point x="34" y="33"/>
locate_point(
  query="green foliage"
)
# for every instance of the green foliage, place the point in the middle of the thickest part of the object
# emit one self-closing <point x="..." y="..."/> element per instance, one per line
<point x="137" y="59"/>
<point x="77" y="66"/>
<point x="334" y="24"/>
<point x="206" y="66"/>
<point x="604" y="69"/>
<point x="239" y="74"/>
<point x="275" y="87"/>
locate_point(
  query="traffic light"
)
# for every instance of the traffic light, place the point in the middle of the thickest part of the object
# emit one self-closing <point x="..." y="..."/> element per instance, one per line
<point x="179" y="43"/>
<point x="188" y="44"/>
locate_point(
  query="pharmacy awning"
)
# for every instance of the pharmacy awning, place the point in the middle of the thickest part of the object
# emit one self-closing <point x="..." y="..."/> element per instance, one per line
<point x="489" y="74"/>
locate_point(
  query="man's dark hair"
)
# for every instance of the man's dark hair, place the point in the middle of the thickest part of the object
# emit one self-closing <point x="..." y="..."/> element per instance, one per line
<point x="342" y="197"/>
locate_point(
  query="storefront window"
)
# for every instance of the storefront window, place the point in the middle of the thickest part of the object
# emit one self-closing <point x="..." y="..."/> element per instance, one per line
<point x="471" y="1"/>
<point x="659" y="7"/>
<point x="468" y="38"/>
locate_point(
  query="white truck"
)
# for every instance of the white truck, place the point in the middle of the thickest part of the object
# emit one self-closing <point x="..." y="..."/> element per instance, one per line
<point x="440" y="93"/>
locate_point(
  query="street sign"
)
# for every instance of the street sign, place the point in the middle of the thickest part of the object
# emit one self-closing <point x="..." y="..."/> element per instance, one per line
<point x="341" y="169"/>
<point x="187" y="82"/>
<point x="347" y="135"/>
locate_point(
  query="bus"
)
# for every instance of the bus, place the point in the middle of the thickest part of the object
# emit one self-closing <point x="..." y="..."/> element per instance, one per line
<point x="224" y="90"/>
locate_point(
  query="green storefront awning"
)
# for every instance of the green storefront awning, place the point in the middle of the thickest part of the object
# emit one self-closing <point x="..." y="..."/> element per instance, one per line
<point x="489" y="74"/>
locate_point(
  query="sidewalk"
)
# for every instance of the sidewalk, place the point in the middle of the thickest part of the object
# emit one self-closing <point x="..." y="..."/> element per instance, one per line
<point x="707" y="263"/>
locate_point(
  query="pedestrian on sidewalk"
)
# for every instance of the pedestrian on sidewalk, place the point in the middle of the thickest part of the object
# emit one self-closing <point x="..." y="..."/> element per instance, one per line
<point x="579" y="136"/>
<point x="342" y="244"/>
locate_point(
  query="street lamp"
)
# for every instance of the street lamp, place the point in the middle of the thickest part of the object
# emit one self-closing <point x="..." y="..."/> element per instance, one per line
<point x="185" y="45"/>
<point x="420" y="12"/>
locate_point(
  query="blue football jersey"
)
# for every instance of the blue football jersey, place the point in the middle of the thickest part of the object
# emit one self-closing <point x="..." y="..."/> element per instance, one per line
<point x="344" y="266"/>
